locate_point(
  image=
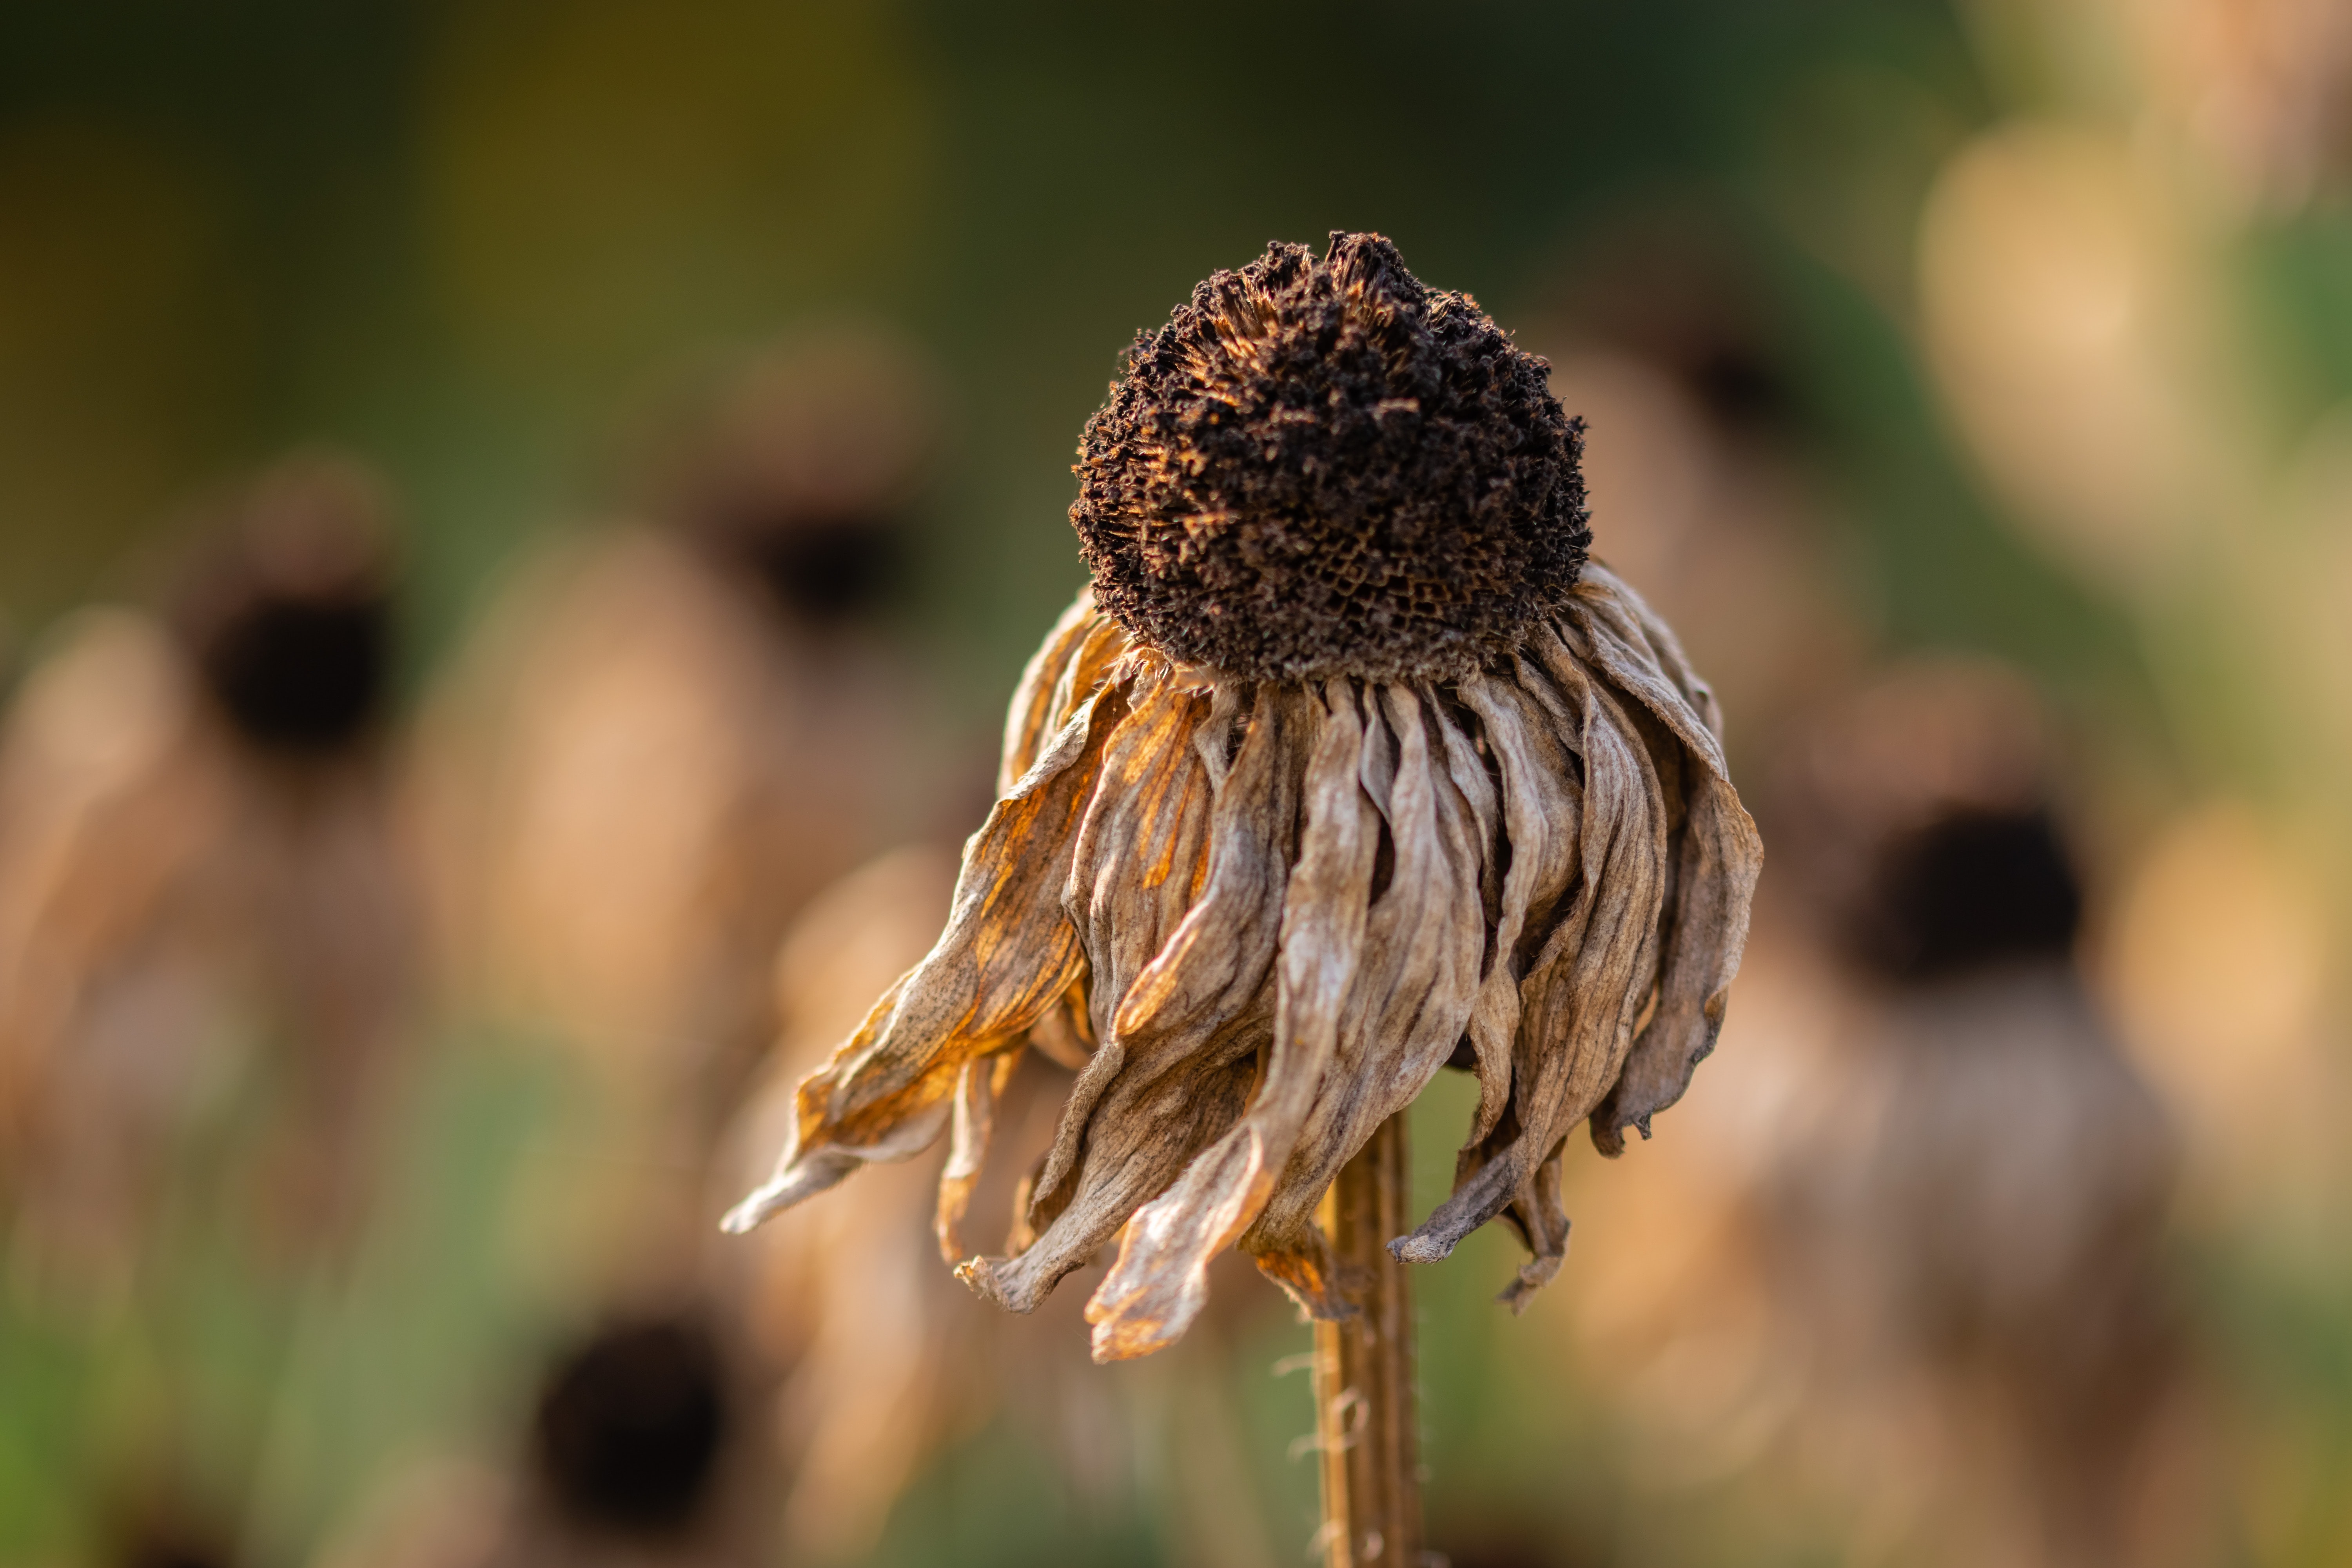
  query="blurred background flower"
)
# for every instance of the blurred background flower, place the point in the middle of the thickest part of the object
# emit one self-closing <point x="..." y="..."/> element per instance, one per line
<point x="712" y="374"/>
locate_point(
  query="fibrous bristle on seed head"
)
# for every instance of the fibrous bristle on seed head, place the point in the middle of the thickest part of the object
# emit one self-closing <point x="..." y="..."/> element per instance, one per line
<point x="1320" y="467"/>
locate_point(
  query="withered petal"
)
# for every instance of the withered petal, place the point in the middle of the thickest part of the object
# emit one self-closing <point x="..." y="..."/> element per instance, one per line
<point x="979" y="1085"/>
<point x="1601" y="597"/>
<point x="1173" y="1074"/>
<point x="1143" y="846"/>
<point x="1008" y="954"/>
<point x="1160" y="1280"/>
<point x="1717" y="857"/>
<point x="1029" y="720"/>
<point x="1587" y="984"/>
<point x="1411" y="996"/>
<point x="1543" y="804"/>
<point x="1717" y="862"/>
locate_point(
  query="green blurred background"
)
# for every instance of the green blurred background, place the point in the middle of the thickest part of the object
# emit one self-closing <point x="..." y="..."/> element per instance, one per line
<point x="476" y="243"/>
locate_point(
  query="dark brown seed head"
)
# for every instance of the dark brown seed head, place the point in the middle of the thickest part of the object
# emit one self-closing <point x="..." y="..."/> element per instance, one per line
<point x="1321" y="468"/>
<point x="287" y="609"/>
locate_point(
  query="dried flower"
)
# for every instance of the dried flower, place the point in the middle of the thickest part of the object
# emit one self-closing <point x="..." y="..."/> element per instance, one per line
<point x="1347" y="765"/>
<point x="1922" y="1238"/>
<point x="199" y="857"/>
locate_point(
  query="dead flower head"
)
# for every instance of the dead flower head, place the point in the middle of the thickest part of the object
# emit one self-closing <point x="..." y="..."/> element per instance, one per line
<point x="1347" y="765"/>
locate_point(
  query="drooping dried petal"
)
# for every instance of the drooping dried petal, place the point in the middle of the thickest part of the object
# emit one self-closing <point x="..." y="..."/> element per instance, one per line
<point x="1161" y="1279"/>
<point x="979" y="1085"/>
<point x="1142" y="850"/>
<point x="1543" y="805"/>
<point x="1587" y="982"/>
<point x="1412" y="994"/>
<point x="1173" y="1073"/>
<point x="1717" y="861"/>
<point x="1282" y="905"/>
<point x="1031" y="718"/>
<point x="1008" y="954"/>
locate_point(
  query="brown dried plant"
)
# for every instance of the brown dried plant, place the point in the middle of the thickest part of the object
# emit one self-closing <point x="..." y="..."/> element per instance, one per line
<point x="1346" y="766"/>
<point x="202" y="880"/>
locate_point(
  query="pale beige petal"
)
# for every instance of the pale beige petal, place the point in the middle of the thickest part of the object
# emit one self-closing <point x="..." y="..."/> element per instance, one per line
<point x="1543" y="804"/>
<point x="1587" y="982"/>
<point x="978" y="1088"/>
<point x="1542" y="1225"/>
<point x="1413" y="995"/>
<point x="1174" y="1072"/>
<point x="1142" y="850"/>
<point x="1029" y="719"/>
<point x="1159" y="1282"/>
<point x="1601" y="593"/>
<point x="1717" y="852"/>
<point x="1717" y="860"/>
<point x="1009" y="952"/>
<point x="1479" y="782"/>
<point x="1091" y="664"/>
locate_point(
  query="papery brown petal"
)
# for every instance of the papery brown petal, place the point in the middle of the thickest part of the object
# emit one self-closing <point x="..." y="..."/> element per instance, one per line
<point x="1718" y="858"/>
<point x="1218" y="740"/>
<point x="1062" y="1035"/>
<point x="1601" y="594"/>
<point x="1587" y="984"/>
<point x="1604" y="634"/>
<point x="1143" y="847"/>
<point x="1029" y="720"/>
<point x="1008" y="954"/>
<point x="1091" y="664"/>
<point x="1594" y="999"/>
<point x="1174" y="1073"/>
<point x="1543" y="804"/>
<point x="979" y="1085"/>
<point x="1411" y="997"/>
<point x="1158" y="1283"/>
<point x="1717" y="855"/>
<point x="1542" y="1223"/>
<point x="1480" y="786"/>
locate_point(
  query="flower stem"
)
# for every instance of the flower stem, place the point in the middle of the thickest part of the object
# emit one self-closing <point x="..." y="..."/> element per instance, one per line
<point x="1365" y="1417"/>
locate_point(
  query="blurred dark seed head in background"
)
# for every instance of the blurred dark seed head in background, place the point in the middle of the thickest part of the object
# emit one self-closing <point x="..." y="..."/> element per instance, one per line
<point x="288" y="611"/>
<point x="158" y="1552"/>
<point x="630" y="1428"/>
<point x="1678" y="289"/>
<point x="1971" y="889"/>
<point x="157" y="1539"/>
<point x="802" y="469"/>
<point x="1919" y="824"/>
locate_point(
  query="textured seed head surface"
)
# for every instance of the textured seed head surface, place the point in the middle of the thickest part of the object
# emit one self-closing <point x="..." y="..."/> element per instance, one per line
<point x="1320" y="467"/>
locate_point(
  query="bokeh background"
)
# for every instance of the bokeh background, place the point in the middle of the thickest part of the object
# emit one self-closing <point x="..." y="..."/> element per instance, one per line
<point x="692" y="390"/>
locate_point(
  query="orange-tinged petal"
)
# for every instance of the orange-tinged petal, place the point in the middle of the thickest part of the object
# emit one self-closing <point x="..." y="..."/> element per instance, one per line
<point x="1175" y="1071"/>
<point x="1029" y="720"/>
<point x="1009" y="952"/>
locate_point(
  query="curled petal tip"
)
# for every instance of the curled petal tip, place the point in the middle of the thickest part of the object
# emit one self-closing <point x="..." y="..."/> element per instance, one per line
<point x="1118" y="1339"/>
<point x="800" y="1178"/>
<point x="746" y="1215"/>
<point x="1533" y="1276"/>
<point x="1419" y="1249"/>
